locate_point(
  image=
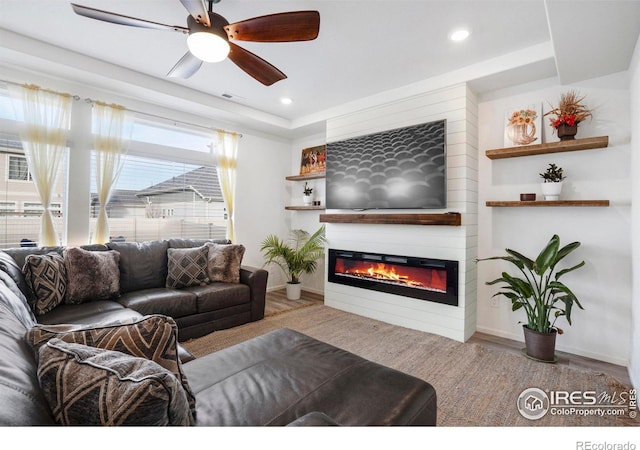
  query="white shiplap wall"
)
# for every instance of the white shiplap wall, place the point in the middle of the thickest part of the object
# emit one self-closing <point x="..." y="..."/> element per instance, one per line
<point x="456" y="104"/>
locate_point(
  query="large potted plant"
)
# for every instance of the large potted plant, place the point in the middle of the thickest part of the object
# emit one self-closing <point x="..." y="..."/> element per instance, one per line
<point x="298" y="255"/>
<point x="541" y="294"/>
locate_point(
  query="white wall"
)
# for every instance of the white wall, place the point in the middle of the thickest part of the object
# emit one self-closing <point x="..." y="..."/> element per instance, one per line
<point x="634" y="70"/>
<point x="602" y="330"/>
<point x="456" y="104"/>
<point x="262" y="166"/>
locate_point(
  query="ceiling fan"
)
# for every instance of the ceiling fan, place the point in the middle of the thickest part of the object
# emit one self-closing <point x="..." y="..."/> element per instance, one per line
<point x="211" y="36"/>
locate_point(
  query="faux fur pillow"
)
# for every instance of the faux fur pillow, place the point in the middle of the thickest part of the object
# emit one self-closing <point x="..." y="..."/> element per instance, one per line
<point x="46" y="277"/>
<point x="224" y="262"/>
<point x="91" y="275"/>
<point x="91" y="386"/>
<point x="187" y="267"/>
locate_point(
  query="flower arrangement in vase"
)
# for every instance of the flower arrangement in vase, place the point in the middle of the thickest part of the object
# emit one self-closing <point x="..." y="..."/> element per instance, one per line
<point x="568" y="114"/>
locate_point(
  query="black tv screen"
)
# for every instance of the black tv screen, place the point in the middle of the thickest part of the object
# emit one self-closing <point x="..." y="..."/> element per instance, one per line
<point x="403" y="168"/>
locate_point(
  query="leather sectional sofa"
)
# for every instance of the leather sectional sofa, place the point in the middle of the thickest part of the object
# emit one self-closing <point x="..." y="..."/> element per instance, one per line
<point x="280" y="378"/>
<point x="197" y="310"/>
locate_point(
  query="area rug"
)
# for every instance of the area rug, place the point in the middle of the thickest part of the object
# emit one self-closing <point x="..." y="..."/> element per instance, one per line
<point x="475" y="385"/>
<point x="279" y="304"/>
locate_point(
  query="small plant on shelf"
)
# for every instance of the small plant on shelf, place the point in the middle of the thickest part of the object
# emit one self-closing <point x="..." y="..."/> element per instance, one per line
<point x="554" y="174"/>
<point x="307" y="189"/>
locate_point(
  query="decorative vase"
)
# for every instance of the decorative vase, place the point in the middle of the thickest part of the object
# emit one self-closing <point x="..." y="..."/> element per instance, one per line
<point x="567" y="132"/>
<point x="293" y="291"/>
<point x="540" y="346"/>
<point x="307" y="200"/>
<point x="551" y="191"/>
<point x="522" y="133"/>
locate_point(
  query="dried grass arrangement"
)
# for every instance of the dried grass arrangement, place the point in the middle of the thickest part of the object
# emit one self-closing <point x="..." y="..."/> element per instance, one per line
<point x="570" y="111"/>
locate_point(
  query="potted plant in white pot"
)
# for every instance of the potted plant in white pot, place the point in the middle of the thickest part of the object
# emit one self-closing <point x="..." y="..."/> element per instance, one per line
<point x="297" y="256"/>
<point x="307" y="198"/>
<point x="540" y="293"/>
<point x="552" y="182"/>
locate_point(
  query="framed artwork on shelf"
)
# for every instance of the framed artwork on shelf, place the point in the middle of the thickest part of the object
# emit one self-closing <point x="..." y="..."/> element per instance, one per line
<point x="523" y="126"/>
<point x="313" y="160"/>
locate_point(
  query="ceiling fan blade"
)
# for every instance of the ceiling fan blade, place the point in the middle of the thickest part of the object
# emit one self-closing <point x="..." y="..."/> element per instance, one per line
<point x="120" y="19"/>
<point x="198" y="11"/>
<point x="282" y="27"/>
<point x="255" y="66"/>
<point x="187" y="66"/>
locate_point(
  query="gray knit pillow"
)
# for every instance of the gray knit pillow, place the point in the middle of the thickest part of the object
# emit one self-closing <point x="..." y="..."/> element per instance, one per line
<point x="91" y="275"/>
<point x="187" y="267"/>
<point x="91" y="386"/>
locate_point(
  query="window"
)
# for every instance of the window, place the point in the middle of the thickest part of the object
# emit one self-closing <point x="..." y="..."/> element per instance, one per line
<point x="161" y="196"/>
<point x="36" y="208"/>
<point x="7" y="207"/>
<point x="20" y="206"/>
<point x="18" y="168"/>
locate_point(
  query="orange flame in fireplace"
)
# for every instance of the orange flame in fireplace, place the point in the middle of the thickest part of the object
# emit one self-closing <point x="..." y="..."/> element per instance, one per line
<point x="423" y="278"/>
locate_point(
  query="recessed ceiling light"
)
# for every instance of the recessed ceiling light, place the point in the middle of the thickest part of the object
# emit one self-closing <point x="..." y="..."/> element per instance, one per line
<point x="459" y="35"/>
<point x="286" y="101"/>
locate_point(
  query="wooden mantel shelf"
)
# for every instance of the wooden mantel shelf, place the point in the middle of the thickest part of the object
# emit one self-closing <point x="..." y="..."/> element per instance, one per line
<point x="549" y="203"/>
<point x="308" y="176"/>
<point x="449" y="219"/>
<point x="552" y="147"/>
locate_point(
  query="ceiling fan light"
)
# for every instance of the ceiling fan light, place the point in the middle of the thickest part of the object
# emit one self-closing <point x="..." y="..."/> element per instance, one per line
<point x="207" y="46"/>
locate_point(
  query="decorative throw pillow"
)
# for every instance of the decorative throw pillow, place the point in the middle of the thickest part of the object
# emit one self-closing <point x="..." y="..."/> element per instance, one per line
<point x="153" y="337"/>
<point x="46" y="277"/>
<point x="91" y="386"/>
<point x="91" y="275"/>
<point x="224" y="262"/>
<point x="187" y="267"/>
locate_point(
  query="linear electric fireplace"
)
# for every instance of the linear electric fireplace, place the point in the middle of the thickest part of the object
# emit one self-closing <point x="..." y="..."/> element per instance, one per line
<point x="422" y="278"/>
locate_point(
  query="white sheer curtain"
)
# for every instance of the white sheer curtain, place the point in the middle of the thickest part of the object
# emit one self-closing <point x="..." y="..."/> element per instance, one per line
<point x="43" y="132"/>
<point x="225" y="152"/>
<point x="111" y="129"/>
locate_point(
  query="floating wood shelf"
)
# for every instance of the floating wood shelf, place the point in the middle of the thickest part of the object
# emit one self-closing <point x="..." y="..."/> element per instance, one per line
<point x="553" y="147"/>
<point x="305" y="208"/>
<point x="450" y="219"/>
<point x="309" y="176"/>
<point x="550" y="203"/>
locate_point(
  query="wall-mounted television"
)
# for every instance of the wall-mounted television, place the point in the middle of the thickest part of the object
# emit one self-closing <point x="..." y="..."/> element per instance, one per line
<point x="404" y="168"/>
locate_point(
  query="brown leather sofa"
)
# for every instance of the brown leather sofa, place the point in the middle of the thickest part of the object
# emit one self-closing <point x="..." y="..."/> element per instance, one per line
<point x="197" y="310"/>
<point x="280" y="378"/>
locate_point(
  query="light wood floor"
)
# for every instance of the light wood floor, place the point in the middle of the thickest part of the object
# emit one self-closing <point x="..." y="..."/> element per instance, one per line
<point x="619" y="372"/>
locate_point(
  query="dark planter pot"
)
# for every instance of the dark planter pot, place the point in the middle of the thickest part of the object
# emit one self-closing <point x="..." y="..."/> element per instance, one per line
<point x="540" y="346"/>
<point x="566" y="132"/>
